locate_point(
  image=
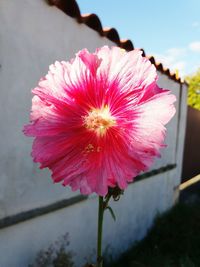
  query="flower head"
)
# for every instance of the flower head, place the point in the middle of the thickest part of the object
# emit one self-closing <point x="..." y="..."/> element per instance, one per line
<point x="98" y="120"/>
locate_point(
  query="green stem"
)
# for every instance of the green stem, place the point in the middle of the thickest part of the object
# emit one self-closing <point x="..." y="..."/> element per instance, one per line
<point x="100" y="231"/>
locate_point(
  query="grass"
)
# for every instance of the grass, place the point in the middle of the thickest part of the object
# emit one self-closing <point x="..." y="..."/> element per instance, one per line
<point x="174" y="241"/>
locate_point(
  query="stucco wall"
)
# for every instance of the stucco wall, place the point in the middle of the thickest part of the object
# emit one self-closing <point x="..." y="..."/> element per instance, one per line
<point x="135" y="212"/>
<point x="36" y="37"/>
<point x="32" y="37"/>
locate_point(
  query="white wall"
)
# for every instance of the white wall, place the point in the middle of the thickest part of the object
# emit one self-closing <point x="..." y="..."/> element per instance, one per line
<point x="135" y="212"/>
<point x="168" y="156"/>
<point x="32" y="36"/>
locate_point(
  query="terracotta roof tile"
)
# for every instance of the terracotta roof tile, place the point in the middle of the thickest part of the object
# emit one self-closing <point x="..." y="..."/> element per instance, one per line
<point x="112" y="34"/>
<point x="92" y="21"/>
<point x="126" y="44"/>
<point x="71" y="8"/>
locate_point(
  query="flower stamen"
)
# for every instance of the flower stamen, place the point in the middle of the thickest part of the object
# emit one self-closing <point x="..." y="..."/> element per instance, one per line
<point x="99" y="120"/>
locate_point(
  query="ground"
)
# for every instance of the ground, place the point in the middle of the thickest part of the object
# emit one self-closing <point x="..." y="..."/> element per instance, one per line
<point x="174" y="240"/>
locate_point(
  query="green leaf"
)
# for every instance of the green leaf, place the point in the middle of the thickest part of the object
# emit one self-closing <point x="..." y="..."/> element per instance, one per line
<point x="194" y="90"/>
<point x="111" y="212"/>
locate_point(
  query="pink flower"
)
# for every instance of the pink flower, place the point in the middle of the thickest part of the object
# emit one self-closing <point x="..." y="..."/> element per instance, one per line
<point x="98" y="120"/>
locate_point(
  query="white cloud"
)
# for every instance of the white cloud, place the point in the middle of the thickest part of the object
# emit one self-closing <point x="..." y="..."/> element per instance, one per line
<point x="180" y="66"/>
<point x="173" y="59"/>
<point x="195" y="46"/>
<point x="176" y="52"/>
<point x="181" y="59"/>
<point x="195" y="24"/>
<point x="193" y="69"/>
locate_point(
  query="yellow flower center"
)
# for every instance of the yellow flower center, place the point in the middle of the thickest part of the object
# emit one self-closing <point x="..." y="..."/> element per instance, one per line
<point x="99" y="120"/>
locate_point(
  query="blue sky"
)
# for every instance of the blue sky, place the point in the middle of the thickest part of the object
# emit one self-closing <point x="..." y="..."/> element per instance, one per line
<point x="169" y="30"/>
